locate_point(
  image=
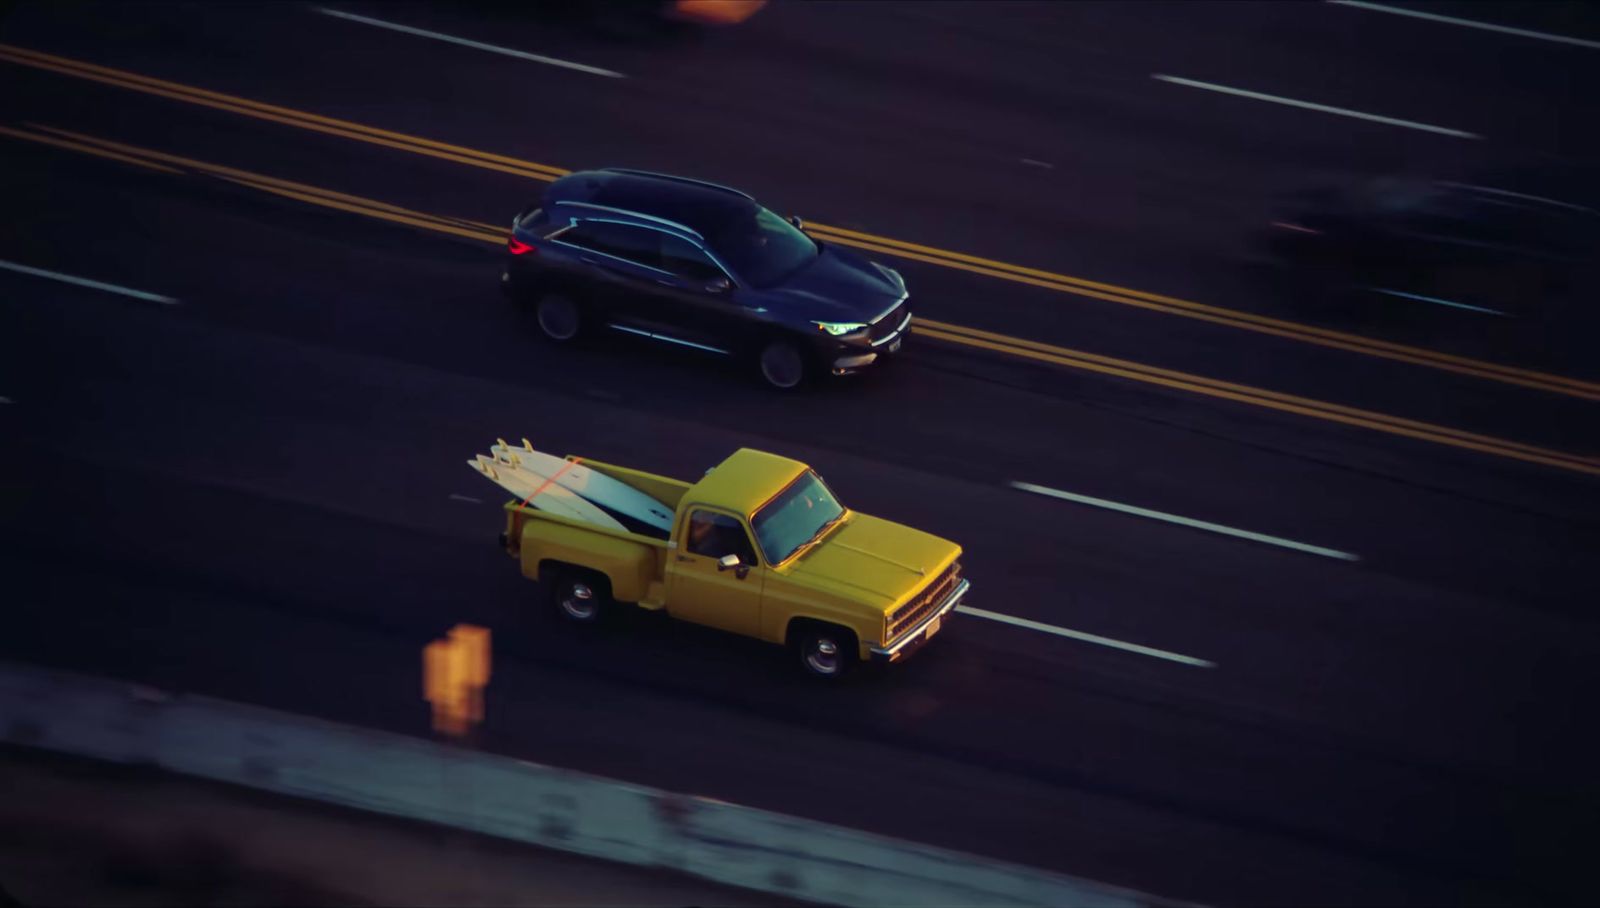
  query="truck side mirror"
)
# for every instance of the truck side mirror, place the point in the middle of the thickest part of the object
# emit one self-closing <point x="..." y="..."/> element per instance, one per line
<point x="732" y="563"/>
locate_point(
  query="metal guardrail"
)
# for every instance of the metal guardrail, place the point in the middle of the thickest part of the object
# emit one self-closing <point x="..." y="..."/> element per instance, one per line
<point x="508" y="798"/>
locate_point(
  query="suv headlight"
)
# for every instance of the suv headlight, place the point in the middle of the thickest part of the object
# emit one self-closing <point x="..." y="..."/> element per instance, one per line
<point x="839" y="329"/>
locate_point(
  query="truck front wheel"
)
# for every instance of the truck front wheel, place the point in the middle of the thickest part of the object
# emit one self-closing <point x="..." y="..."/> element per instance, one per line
<point x="825" y="651"/>
<point x="579" y="597"/>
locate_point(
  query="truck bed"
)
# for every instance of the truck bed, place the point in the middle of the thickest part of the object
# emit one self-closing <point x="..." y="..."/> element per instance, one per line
<point x="664" y="489"/>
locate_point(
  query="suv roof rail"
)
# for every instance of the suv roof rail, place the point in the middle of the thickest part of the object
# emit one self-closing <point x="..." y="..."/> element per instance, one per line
<point x="632" y="214"/>
<point x="677" y="179"/>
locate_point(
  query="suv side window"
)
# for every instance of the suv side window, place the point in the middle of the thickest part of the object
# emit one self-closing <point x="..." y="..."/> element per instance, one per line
<point x="686" y="260"/>
<point x="640" y="245"/>
<point x="714" y="535"/>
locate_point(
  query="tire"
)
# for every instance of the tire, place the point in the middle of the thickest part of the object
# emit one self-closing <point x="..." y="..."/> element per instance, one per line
<point x="579" y="597"/>
<point x="559" y="317"/>
<point x="782" y="364"/>
<point x="825" y="651"/>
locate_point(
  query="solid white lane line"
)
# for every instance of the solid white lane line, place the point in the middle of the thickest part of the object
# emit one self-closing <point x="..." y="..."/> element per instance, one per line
<point x="1468" y="23"/>
<point x="1518" y="195"/>
<point x="1307" y="105"/>
<point x="478" y="45"/>
<point x="1435" y="300"/>
<point x="455" y="497"/>
<point x="85" y="282"/>
<point x="1184" y="521"/>
<point x="1086" y="638"/>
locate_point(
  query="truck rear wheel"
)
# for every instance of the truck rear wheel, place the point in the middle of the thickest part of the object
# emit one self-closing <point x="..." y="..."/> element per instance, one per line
<point x="579" y="597"/>
<point x="825" y="650"/>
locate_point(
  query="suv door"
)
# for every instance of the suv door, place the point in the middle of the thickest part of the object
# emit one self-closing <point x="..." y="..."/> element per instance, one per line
<point x="620" y="269"/>
<point x="704" y="295"/>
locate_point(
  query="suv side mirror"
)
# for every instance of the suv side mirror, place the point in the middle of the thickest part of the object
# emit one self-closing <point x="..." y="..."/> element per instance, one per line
<point x="795" y="220"/>
<point x="732" y="563"/>
<point x="719" y="285"/>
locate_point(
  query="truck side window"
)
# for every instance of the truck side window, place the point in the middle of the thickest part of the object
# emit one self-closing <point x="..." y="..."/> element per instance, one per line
<point x="714" y="535"/>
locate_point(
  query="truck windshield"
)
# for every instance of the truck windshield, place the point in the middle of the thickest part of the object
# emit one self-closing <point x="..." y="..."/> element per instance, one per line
<point x="797" y="515"/>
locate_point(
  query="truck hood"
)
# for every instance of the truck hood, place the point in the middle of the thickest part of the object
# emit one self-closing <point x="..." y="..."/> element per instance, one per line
<point x="873" y="560"/>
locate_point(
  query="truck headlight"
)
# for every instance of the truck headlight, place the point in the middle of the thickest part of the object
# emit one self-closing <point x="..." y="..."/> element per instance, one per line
<point x="839" y="329"/>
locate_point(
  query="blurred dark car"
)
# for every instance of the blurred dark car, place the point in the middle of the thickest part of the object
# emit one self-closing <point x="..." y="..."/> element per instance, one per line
<point x="1477" y="248"/>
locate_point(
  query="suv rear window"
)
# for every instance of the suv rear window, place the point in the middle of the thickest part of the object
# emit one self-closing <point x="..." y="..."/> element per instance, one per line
<point x="625" y="241"/>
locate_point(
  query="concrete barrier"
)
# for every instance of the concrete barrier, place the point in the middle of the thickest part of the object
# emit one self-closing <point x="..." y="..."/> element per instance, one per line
<point x="512" y="799"/>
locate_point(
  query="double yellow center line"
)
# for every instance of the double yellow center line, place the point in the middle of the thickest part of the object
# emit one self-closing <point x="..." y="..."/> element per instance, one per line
<point x="1272" y="400"/>
<point x="951" y="333"/>
<point x="1062" y="283"/>
<point x="304" y="192"/>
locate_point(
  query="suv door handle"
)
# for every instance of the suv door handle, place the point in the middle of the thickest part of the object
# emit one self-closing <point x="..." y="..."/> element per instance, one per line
<point x="666" y="282"/>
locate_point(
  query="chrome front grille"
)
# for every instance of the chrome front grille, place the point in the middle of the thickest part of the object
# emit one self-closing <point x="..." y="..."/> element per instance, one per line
<point x="924" y="602"/>
<point x="889" y="324"/>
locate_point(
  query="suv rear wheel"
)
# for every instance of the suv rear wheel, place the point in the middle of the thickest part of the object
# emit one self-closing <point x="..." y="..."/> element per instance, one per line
<point x="558" y="317"/>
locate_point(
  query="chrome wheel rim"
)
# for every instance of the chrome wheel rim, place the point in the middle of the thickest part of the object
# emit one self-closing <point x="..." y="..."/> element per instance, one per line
<point x="579" y="602"/>
<point x="822" y="656"/>
<point x="781" y="365"/>
<point x="558" y="318"/>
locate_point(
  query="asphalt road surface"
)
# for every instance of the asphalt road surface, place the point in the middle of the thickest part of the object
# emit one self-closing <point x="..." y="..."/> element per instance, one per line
<point x="234" y="464"/>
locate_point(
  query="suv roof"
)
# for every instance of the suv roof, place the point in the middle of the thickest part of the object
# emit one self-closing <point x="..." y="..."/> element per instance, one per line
<point x="705" y="208"/>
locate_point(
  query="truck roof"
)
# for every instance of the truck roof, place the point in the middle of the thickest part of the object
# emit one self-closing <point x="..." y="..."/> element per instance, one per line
<point x="746" y="480"/>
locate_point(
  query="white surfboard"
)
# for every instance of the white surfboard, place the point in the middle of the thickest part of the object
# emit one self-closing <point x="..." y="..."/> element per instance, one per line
<point x="611" y="494"/>
<point x="546" y="496"/>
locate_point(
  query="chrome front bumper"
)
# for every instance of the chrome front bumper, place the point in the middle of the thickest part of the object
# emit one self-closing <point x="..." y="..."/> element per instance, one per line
<point x="889" y="344"/>
<point x="913" y="639"/>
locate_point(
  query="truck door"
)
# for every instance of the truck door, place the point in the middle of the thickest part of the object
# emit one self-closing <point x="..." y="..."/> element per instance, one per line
<point x="698" y="592"/>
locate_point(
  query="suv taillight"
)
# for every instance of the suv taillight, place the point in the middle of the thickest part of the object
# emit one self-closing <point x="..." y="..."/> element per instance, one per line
<point x="517" y="247"/>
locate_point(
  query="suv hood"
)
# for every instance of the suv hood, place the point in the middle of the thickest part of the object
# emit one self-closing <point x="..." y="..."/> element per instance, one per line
<point x="874" y="560"/>
<point x="838" y="286"/>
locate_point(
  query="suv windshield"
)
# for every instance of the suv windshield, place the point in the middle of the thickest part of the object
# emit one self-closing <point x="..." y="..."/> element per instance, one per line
<point x="765" y="249"/>
<point x="796" y="516"/>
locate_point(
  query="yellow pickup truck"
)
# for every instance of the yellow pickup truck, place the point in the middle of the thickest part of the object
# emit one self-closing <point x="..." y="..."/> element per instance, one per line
<point x="760" y="547"/>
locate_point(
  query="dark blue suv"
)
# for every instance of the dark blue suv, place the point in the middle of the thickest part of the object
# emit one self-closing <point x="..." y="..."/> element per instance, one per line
<point x="701" y="266"/>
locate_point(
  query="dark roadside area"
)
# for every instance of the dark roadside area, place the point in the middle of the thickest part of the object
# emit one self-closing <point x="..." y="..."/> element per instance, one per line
<point x="85" y="833"/>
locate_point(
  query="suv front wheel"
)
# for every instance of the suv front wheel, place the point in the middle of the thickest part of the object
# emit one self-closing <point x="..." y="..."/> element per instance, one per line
<point x="783" y="365"/>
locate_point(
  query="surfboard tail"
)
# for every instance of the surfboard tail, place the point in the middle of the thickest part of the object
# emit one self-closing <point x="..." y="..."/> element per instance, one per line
<point x="540" y="491"/>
